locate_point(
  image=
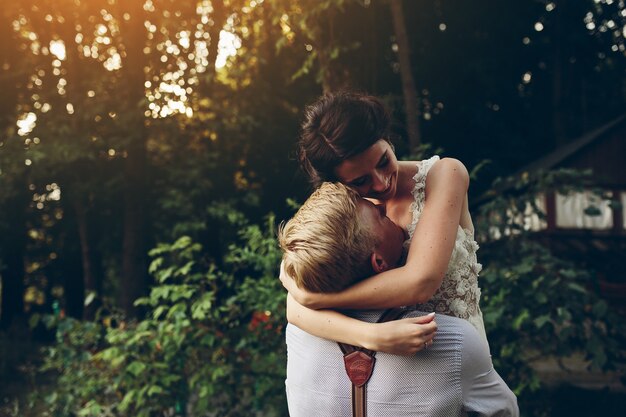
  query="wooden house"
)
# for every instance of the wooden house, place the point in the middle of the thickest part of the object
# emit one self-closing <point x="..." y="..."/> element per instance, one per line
<point x="580" y="224"/>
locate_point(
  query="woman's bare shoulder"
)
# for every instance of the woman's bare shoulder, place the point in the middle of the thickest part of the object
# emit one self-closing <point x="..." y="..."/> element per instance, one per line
<point x="448" y="168"/>
<point x="450" y="165"/>
<point x="409" y="167"/>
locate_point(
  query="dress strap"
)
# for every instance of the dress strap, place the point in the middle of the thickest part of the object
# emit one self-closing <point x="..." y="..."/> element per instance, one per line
<point x="420" y="177"/>
<point x="419" y="189"/>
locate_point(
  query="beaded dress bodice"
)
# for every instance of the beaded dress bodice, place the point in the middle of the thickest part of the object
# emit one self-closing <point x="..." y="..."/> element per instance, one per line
<point x="459" y="293"/>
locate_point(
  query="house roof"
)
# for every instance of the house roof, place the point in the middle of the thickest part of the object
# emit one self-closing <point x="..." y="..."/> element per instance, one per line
<point x="560" y="154"/>
<point x="557" y="156"/>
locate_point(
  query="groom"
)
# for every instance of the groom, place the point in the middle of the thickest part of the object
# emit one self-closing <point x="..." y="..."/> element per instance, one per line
<point x="334" y="240"/>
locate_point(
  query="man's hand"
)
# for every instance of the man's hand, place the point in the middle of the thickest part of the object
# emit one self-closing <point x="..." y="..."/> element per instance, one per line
<point x="403" y="337"/>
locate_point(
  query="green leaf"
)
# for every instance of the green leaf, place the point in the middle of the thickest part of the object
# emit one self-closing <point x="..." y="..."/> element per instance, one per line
<point x="182" y="243"/>
<point x="127" y="400"/>
<point x="155" y="265"/>
<point x="520" y="319"/>
<point x="185" y="269"/>
<point x="202" y="306"/>
<point x="108" y="354"/>
<point x="541" y="321"/>
<point x="136" y="368"/>
<point x="142" y="301"/>
<point x="91" y="295"/>
<point x="576" y="287"/>
<point x="91" y="408"/>
<point x="563" y="314"/>
<point x="117" y="361"/>
<point x="165" y="274"/>
<point x="159" y="311"/>
<point x="52" y="398"/>
<point x="34" y="319"/>
<point x="178" y="308"/>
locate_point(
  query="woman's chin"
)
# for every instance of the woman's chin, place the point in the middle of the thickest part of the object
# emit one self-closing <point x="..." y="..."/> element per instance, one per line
<point x="389" y="193"/>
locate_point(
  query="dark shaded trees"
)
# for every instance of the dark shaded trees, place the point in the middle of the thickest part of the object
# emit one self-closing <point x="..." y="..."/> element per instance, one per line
<point x="409" y="90"/>
<point x="134" y="38"/>
<point x="14" y="197"/>
<point x="124" y="108"/>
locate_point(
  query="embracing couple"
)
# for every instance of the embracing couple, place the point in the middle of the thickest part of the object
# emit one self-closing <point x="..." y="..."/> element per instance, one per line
<point x="380" y="233"/>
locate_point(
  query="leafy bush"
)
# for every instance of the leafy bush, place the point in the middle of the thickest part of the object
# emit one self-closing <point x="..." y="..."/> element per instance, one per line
<point x="538" y="303"/>
<point x="212" y="339"/>
<point x="211" y="342"/>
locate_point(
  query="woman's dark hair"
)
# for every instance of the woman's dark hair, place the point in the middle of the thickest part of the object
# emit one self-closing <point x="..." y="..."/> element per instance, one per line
<point x="336" y="127"/>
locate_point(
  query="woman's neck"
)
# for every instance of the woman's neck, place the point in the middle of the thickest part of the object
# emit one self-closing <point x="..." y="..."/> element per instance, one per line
<point x="398" y="208"/>
<point x="406" y="172"/>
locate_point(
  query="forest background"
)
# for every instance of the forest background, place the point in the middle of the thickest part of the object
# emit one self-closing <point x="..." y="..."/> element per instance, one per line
<point x="147" y="153"/>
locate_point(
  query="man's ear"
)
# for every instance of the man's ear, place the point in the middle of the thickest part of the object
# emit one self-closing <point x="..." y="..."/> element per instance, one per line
<point x="378" y="263"/>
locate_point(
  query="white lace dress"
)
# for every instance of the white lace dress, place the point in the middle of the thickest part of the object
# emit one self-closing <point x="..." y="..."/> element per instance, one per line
<point x="459" y="293"/>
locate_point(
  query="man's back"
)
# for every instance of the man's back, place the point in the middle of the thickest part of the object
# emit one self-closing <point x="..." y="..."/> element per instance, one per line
<point x="450" y="378"/>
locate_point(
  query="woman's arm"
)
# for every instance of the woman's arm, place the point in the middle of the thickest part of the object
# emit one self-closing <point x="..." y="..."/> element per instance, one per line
<point x="428" y="257"/>
<point x="399" y="337"/>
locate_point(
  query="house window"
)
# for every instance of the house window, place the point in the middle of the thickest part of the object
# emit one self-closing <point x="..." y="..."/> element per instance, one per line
<point x="583" y="210"/>
<point x="531" y="219"/>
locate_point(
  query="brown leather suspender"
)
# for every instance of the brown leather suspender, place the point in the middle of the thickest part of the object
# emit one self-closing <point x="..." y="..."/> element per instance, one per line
<point x="359" y="363"/>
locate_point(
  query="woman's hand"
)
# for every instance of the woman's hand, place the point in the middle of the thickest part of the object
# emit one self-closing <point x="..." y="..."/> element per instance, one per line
<point x="403" y="337"/>
<point x="307" y="299"/>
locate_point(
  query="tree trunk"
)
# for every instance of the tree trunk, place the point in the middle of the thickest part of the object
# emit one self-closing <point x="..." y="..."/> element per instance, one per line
<point x="13" y="249"/>
<point x="9" y="56"/>
<point x="92" y="278"/>
<point x="134" y="271"/>
<point x="13" y="239"/>
<point x="584" y="105"/>
<point x="218" y="17"/>
<point x="335" y="76"/>
<point x="409" y="91"/>
<point x="558" y="111"/>
<point x="78" y="187"/>
<point x="267" y="67"/>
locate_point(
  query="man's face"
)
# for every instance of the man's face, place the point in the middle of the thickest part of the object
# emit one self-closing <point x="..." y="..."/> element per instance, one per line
<point x="390" y="237"/>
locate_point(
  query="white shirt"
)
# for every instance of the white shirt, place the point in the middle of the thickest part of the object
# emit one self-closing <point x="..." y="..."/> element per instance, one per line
<point x="452" y="377"/>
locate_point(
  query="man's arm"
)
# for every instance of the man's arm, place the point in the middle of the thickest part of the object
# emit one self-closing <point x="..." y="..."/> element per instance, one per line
<point x="484" y="391"/>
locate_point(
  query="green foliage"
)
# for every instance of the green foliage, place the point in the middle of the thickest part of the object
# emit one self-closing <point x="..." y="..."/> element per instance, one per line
<point x="537" y="303"/>
<point x="211" y="342"/>
<point x="235" y="146"/>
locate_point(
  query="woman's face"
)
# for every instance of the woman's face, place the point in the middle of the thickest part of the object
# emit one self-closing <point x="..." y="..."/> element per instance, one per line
<point x="373" y="173"/>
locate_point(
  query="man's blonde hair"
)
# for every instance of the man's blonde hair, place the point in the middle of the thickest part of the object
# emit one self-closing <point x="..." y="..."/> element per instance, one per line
<point x="325" y="246"/>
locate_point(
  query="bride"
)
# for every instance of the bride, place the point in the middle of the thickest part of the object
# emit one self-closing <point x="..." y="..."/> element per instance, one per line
<point x="345" y="138"/>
